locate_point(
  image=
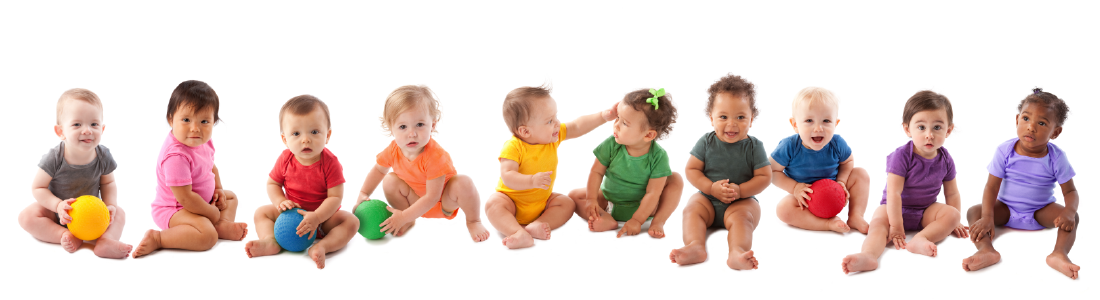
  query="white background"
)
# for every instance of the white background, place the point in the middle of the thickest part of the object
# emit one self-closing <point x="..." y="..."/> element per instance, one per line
<point x="985" y="57"/>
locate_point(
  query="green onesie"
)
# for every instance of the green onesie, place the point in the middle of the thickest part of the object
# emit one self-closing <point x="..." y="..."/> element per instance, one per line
<point x="626" y="178"/>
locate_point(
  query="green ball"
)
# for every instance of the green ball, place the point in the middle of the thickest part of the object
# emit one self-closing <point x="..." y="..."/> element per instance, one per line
<point x="371" y="213"/>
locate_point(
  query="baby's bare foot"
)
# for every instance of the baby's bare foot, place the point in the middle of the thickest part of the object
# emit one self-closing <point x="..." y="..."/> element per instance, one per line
<point x="107" y="248"/>
<point x="657" y="230"/>
<point x="69" y="242"/>
<point x="520" y="239"/>
<point x="691" y="254"/>
<point x="262" y="247"/>
<point x="605" y="223"/>
<point x="838" y="225"/>
<point x="539" y="230"/>
<point x="858" y="224"/>
<point x="981" y="259"/>
<point x="231" y="231"/>
<point x="921" y="245"/>
<point x="859" y="262"/>
<point x="317" y="253"/>
<point x="477" y="232"/>
<point x="1061" y="263"/>
<point x="405" y="229"/>
<point x="148" y="244"/>
<point x="742" y="261"/>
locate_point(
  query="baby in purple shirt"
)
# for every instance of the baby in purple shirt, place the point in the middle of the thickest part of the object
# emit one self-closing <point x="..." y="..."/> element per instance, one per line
<point x="915" y="172"/>
<point x="1020" y="190"/>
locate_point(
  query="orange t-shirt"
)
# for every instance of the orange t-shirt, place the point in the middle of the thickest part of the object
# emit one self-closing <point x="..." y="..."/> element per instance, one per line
<point x="430" y="164"/>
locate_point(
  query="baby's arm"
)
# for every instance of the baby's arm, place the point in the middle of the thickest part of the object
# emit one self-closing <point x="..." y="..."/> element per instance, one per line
<point x="798" y="189"/>
<point x="845" y="170"/>
<point x="951" y="193"/>
<point x="194" y="203"/>
<point x="761" y="177"/>
<point x="595" y="179"/>
<point x="374" y="177"/>
<point x="653" y="191"/>
<point x="278" y="197"/>
<point x="108" y="192"/>
<point x="218" y="200"/>
<point x="584" y="124"/>
<point x="894" y="185"/>
<point x="310" y="220"/>
<point x="40" y="189"/>
<point x="513" y="179"/>
<point x="983" y="227"/>
<point x="1068" y="220"/>
<point x="432" y="193"/>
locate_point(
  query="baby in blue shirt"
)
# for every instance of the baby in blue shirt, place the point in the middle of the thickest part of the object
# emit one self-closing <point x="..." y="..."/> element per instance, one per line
<point x="816" y="153"/>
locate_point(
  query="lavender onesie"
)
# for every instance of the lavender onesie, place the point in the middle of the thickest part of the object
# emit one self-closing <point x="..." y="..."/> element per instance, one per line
<point x="1028" y="182"/>
<point x="923" y="180"/>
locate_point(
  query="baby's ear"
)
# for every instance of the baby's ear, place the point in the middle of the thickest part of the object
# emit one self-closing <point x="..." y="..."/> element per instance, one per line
<point x="522" y="132"/>
<point x="794" y="125"/>
<point x="328" y="136"/>
<point x="1057" y="132"/>
<point x="58" y="132"/>
<point x="281" y="136"/>
<point x="650" y="135"/>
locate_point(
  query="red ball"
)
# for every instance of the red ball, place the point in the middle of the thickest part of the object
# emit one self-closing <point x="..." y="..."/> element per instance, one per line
<point x="828" y="198"/>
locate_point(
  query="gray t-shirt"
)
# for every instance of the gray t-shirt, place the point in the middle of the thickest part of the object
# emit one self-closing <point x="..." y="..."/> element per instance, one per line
<point x="735" y="161"/>
<point x="70" y="181"/>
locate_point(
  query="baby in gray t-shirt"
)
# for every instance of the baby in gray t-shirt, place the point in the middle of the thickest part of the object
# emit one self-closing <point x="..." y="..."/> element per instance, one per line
<point x="76" y="167"/>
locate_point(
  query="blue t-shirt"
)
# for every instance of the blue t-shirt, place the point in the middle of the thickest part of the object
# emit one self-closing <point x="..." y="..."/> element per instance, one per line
<point x="806" y="165"/>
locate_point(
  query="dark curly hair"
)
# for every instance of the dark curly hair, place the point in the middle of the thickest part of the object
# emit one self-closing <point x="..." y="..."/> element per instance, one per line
<point x="660" y="119"/>
<point x="735" y="85"/>
<point x="1061" y="110"/>
<point x="926" y="100"/>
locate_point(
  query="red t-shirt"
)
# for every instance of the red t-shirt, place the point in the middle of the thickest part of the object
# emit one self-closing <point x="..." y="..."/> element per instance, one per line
<point x="307" y="185"/>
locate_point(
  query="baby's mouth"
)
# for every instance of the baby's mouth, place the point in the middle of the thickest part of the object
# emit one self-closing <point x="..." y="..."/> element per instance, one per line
<point x="307" y="150"/>
<point x="87" y="141"/>
<point x="817" y="139"/>
<point x="731" y="134"/>
<point x="411" y="144"/>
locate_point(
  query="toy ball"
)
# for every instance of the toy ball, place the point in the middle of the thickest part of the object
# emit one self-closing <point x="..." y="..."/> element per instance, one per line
<point x="286" y="231"/>
<point x="371" y="214"/>
<point x="828" y="198"/>
<point x="90" y="218"/>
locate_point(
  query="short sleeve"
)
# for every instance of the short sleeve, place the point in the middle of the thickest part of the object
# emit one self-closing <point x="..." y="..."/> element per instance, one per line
<point x="440" y="164"/>
<point x="334" y="172"/>
<point x="842" y="149"/>
<point x="700" y="149"/>
<point x="759" y="156"/>
<point x="385" y="158"/>
<point x="1063" y="172"/>
<point x="950" y="162"/>
<point x="50" y="162"/>
<point x="177" y="170"/>
<point x="605" y="151"/>
<point x="1000" y="158"/>
<point x="659" y="167"/>
<point x="106" y="160"/>
<point x="278" y="172"/>
<point x="897" y="162"/>
<point x="563" y="133"/>
<point x="511" y="150"/>
<point x="782" y="153"/>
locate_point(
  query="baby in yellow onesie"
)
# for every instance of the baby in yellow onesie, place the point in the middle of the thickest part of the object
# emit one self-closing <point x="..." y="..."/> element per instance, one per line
<point x="524" y="207"/>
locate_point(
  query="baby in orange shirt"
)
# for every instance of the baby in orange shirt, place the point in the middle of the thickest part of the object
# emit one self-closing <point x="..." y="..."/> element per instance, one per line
<point x="424" y="182"/>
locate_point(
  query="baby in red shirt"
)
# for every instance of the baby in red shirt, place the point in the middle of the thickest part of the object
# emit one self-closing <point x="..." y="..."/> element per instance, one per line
<point x="313" y="180"/>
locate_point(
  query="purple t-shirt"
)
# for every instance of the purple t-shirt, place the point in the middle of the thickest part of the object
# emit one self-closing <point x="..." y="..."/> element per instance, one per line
<point x="1028" y="182"/>
<point x="923" y="177"/>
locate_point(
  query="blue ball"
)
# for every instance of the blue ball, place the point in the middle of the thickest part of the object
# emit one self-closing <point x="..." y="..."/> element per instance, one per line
<point x="286" y="231"/>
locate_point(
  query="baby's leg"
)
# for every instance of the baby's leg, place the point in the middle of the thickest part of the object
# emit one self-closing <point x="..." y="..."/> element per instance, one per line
<point x="265" y="230"/>
<point x="339" y="229"/>
<point x="873" y="246"/>
<point x="858" y="185"/>
<point x="741" y="218"/>
<point x="1059" y="259"/>
<point x="698" y="215"/>
<point x="986" y="255"/>
<point x="501" y="212"/>
<point x="41" y="223"/>
<point x="460" y="192"/>
<point x="108" y="246"/>
<point x="939" y="221"/>
<point x="580" y="206"/>
<point x="228" y="228"/>
<point x="186" y="231"/>
<point x="400" y="196"/>
<point x="559" y="208"/>
<point x="670" y="198"/>
<point x="789" y="212"/>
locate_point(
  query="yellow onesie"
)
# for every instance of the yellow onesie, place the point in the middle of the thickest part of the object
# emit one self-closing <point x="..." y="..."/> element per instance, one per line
<point x="532" y="159"/>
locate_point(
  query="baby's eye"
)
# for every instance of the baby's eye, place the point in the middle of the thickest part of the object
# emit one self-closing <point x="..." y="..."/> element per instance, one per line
<point x="419" y="124"/>
<point x="187" y="120"/>
<point x="723" y="117"/>
<point x="402" y="127"/>
<point x="295" y="133"/>
<point x="95" y="124"/>
<point x="1041" y="123"/>
<point x="76" y="124"/>
<point x="549" y="122"/>
<point x="1025" y="118"/>
<point x="740" y="117"/>
<point x="313" y="132"/>
<point x="205" y="122"/>
<point x="920" y="127"/>
<point x="827" y="121"/>
<point x="809" y="120"/>
<point x="938" y="127"/>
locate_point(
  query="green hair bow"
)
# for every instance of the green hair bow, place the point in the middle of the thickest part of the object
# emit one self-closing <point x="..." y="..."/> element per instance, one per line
<point x="656" y="94"/>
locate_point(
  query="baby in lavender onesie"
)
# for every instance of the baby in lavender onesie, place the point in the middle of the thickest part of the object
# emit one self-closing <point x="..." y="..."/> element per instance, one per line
<point x="1020" y="190"/>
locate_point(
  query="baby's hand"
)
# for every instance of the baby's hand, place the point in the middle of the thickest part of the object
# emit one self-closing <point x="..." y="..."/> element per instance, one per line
<point x="897" y="235"/>
<point x="394" y="222"/>
<point x="961" y="231"/>
<point x="360" y="201"/>
<point x="735" y="191"/>
<point x="542" y="180"/>
<point x="982" y="228"/>
<point x="844" y="186"/>
<point x="110" y="214"/>
<point x="593" y="212"/>
<point x="630" y="228"/>
<point x="219" y="199"/>
<point x="611" y="114"/>
<point x="309" y="223"/>
<point x="287" y="204"/>
<point x="1066" y="220"/>
<point x="62" y="210"/>
<point x="720" y="189"/>
<point x="802" y="193"/>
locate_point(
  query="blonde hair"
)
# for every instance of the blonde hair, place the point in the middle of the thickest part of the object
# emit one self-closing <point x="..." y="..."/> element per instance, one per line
<point x="78" y="94"/>
<point x="517" y="105"/>
<point x="812" y="95"/>
<point x="408" y="97"/>
<point x="302" y="105"/>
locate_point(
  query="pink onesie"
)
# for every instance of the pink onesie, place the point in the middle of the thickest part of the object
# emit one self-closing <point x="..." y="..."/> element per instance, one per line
<point x="181" y="165"/>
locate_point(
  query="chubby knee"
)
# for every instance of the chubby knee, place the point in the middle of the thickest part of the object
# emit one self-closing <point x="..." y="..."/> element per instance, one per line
<point x="974" y="212"/>
<point x="674" y="180"/>
<point x="119" y="215"/>
<point x="859" y="175"/>
<point x="562" y="200"/>
<point x="498" y="201"/>
<point x="950" y="214"/>
<point x="391" y="182"/>
<point x="27" y="216"/>
<point x="739" y="217"/>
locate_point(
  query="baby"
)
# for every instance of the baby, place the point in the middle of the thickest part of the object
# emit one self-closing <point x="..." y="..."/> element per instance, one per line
<point x="424" y="182"/>
<point x="77" y="166"/>
<point x="915" y="173"/>
<point x="814" y="153"/>
<point x="190" y="206"/>
<point x="729" y="167"/>
<point x="313" y="181"/>
<point x="524" y="207"/>
<point x="1020" y="190"/>
<point x="640" y="185"/>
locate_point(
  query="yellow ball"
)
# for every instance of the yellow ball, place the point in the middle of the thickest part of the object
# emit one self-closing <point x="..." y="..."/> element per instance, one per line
<point x="90" y="218"/>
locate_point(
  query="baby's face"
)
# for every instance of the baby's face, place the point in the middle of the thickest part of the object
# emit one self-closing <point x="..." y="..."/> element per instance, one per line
<point x="1035" y="126"/>
<point x="815" y="124"/>
<point x="928" y="129"/>
<point x="412" y="130"/>
<point x="193" y="128"/>
<point x="632" y="126"/>
<point x="731" y="117"/>
<point x="543" y="126"/>
<point x="306" y="135"/>
<point x="81" y="125"/>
